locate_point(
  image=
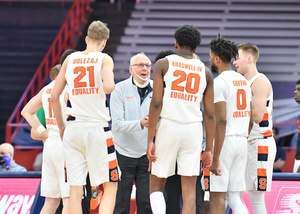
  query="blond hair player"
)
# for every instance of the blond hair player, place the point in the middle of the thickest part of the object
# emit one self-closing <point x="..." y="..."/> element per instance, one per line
<point x="261" y="144"/>
<point x="87" y="138"/>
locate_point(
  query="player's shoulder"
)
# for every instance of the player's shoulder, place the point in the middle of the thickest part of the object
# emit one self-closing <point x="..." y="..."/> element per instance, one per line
<point x="107" y="59"/>
<point x="261" y="79"/>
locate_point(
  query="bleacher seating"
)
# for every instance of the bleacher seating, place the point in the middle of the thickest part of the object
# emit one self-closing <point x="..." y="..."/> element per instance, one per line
<point x="27" y="30"/>
<point x="273" y="26"/>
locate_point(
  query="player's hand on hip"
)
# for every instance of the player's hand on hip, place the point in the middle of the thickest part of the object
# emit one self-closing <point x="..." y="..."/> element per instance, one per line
<point x="151" y="152"/>
<point x="45" y="135"/>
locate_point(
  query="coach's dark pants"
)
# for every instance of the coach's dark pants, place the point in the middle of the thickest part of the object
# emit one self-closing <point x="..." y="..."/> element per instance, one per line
<point x="133" y="169"/>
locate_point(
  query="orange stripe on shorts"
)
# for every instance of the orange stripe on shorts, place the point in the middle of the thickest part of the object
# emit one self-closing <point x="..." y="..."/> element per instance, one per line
<point x="267" y="133"/>
<point x="109" y="142"/>
<point x="266" y="116"/>
<point x="261" y="172"/>
<point x="263" y="149"/>
<point x="206" y="172"/>
<point x="113" y="164"/>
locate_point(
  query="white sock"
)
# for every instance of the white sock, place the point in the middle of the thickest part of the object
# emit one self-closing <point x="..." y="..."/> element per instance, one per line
<point x="158" y="204"/>
<point x="257" y="199"/>
<point x="236" y="203"/>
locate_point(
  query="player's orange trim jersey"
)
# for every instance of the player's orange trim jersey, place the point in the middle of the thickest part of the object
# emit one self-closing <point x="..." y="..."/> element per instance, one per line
<point x="50" y="119"/>
<point x="87" y="100"/>
<point x="185" y="83"/>
<point x="264" y="128"/>
<point x="233" y="89"/>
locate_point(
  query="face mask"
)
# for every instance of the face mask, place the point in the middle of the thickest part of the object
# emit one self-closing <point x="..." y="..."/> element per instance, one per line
<point x="144" y="79"/>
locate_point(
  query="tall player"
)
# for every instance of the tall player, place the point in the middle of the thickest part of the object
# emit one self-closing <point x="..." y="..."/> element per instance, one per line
<point x="53" y="185"/>
<point x="180" y="83"/>
<point x="261" y="144"/>
<point x="232" y="97"/>
<point x="87" y="138"/>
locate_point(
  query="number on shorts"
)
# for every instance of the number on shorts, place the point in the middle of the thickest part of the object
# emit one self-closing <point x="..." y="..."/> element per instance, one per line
<point x="82" y="73"/>
<point x="192" y="82"/>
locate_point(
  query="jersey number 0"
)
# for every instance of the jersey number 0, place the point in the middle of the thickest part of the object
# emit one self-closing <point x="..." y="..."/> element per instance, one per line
<point x="241" y="99"/>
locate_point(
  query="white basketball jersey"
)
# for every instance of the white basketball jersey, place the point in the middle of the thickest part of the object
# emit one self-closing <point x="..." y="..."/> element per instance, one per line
<point x="51" y="122"/>
<point x="185" y="83"/>
<point x="264" y="128"/>
<point x="87" y="100"/>
<point x="234" y="89"/>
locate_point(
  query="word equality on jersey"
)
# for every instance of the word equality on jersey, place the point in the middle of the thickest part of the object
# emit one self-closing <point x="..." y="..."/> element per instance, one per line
<point x="183" y="96"/>
<point x="51" y="121"/>
<point x="241" y="114"/>
<point x="80" y="91"/>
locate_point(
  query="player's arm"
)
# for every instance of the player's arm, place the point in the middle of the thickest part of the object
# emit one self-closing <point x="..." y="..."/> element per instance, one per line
<point x="41" y="116"/>
<point x="209" y="118"/>
<point x="260" y="91"/>
<point x="28" y="112"/>
<point x="36" y="136"/>
<point x="220" y="114"/>
<point x="251" y="120"/>
<point x="160" y="67"/>
<point x="60" y="83"/>
<point x="107" y="74"/>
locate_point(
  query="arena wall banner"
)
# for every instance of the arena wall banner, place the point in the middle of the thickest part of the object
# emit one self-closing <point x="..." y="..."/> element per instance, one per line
<point x="17" y="194"/>
<point x="283" y="198"/>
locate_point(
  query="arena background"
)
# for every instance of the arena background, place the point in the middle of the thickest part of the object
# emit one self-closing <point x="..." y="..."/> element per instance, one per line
<point x="28" y="30"/>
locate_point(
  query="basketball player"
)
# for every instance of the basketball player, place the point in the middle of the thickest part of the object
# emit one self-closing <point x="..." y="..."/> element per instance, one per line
<point x="172" y="190"/>
<point x="53" y="185"/>
<point x="261" y="144"/>
<point x="180" y="83"/>
<point x="87" y="139"/>
<point x="232" y="96"/>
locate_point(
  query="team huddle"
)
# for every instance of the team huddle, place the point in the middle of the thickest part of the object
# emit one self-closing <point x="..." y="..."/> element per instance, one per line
<point x="157" y="122"/>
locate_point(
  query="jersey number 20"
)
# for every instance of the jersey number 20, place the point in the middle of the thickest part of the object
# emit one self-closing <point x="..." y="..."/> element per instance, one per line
<point x="191" y="78"/>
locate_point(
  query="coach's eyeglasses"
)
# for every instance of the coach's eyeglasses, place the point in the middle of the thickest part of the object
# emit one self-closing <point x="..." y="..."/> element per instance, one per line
<point x="141" y="65"/>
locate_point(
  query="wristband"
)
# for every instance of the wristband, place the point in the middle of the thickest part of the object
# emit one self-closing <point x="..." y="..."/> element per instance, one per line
<point x="40" y="129"/>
